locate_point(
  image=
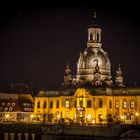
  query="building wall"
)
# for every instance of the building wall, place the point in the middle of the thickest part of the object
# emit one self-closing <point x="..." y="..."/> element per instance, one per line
<point x="84" y="107"/>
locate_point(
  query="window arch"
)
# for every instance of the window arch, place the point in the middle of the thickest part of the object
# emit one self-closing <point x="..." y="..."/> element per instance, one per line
<point x="38" y="104"/>
<point x="91" y="36"/>
<point x="110" y="104"/>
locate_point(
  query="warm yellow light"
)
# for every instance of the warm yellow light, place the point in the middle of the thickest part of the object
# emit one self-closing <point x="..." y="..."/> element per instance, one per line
<point x="89" y="117"/>
<point x="137" y="114"/>
<point x="93" y="121"/>
<point x="32" y="116"/>
<point x="122" y="117"/>
<point x="58" y="116"/>
<point x="7" y="116"/>
<point x="101" y="116"/>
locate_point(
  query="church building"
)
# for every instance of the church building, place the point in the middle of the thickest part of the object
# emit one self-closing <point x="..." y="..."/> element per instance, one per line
<point x="91" y="97"/>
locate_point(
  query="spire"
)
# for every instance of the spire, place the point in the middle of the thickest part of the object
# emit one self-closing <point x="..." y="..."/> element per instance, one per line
<point x="94" y="34"/>
<point x="94" y="14"/>
<point x="119" y="77"/>
<point x="67" y="76"/>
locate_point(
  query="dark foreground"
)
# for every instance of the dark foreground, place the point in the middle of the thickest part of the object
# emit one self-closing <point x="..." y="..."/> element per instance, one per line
<point x="68" y="132"/>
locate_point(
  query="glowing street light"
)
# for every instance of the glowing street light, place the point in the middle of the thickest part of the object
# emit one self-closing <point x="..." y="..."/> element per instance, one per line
<point x="122" y="117"/>
<point x="32" y="117"/>
<point x="88" y="117"/>
<point x="137" y="114"/>
<point x="58" y="116"/>
<point x="93" y="121"/>
<point x="101" y="116"/>
<point x="7" y="116"/>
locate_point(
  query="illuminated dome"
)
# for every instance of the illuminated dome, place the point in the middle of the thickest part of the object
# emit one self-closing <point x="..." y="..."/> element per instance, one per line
<point x="93" y="64"/>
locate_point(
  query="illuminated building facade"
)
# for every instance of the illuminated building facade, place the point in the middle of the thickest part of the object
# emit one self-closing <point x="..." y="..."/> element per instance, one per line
<point x="16" y="104"/>
<point x="91" y="97"/>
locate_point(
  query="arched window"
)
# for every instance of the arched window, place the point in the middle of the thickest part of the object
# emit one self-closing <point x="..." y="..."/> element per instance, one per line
<point x="38" y="104"/>
<point x="132" y="104"/>
<point x="89" y="104"/>
<point x="110" y="104"/>
<point x="116" y="104"/>
<point x="45" y="104"/>
<point x="51" y="104"/>
<point x="124" y="104"/>
<point x="57" y="104"/>
<point x="100" y="103"/>
<point x="91" y="37"/>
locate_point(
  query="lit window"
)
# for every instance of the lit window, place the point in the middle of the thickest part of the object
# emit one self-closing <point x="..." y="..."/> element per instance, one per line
<point x="100" y="117"/>
<point x="116" y="104"/>
<point x="67" y="115"/>
<point x="45" y="104"/>
<point x="110" y="104"/>
<point x="100" y="103"/>
<point x="51" y="104"/>
<point x="88" y="117"/>
<point x="124" y="104"/>
<point x="38" y="104"/>
<point x="67" y="103"/>
<point x="132" y="117"/>
<point x="124" y="116"/>
<point x="89" y="104"/>
<point x="132" y="104"/>
<point x="57" y="104"/>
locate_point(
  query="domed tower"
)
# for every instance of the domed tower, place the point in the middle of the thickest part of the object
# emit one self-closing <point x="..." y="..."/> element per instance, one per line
<point x="88" y="59"/>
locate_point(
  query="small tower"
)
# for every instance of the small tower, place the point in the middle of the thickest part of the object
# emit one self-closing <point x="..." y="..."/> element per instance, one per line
<point x="85" y="66"/>
<point x="119" y="78"/>
<point x="67" y="77"/>
<point x="94" y="34"/>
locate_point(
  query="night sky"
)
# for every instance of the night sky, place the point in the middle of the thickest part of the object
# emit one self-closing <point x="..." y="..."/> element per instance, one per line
<point x="38" y="39"/>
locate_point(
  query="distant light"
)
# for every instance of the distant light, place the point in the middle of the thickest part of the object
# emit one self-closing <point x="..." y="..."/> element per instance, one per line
<point x="88" y="117"/>
<point x="93" y="121"/>
<point x="58" y="116"/>
<point x="7" y="116"/>
<point x="32" y="116"/>
<point x="101" y="116"/>
<point x="122" y="117"/>
<point x="137" y="114"/>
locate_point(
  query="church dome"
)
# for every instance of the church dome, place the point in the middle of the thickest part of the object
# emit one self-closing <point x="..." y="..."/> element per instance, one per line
<point x="93" y="65"/>
<point x="87" y="58"/>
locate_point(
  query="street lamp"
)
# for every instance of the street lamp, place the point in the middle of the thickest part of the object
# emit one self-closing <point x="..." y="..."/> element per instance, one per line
<point x="89" y="117"/>
<point x="7" y="117"/>
<point x="122" y="117"/>
<point x="32" y="117"/>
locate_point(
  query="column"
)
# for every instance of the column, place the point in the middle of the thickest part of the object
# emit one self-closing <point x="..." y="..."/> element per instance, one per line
<point x="19" y="136"/>
<point x="26" y="136"/>
<point x="12" y="136"/>
<point x="6" y="136"/>
<point x="33" y="136"/>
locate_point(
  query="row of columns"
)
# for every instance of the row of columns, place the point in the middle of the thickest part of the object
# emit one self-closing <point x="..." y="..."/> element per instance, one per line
<point x="11" y="136"/>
